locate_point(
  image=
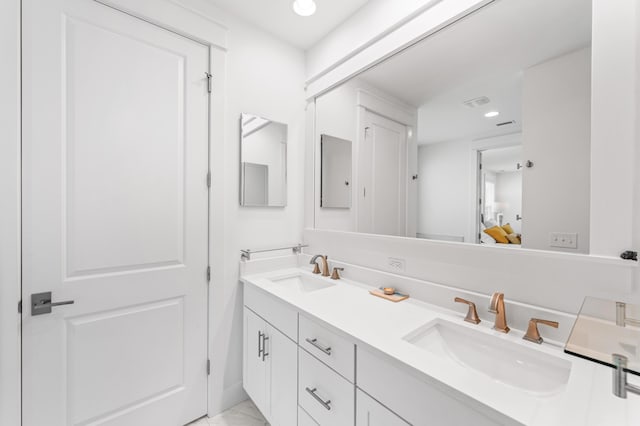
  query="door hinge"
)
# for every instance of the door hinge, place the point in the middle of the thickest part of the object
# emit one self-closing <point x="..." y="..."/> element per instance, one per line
<point x="209" y="179"/>
<point x="20" y="307"/>
<point x="209" y="76"/>
<point x="208" y="273"/>
<point x="208" y="367"/>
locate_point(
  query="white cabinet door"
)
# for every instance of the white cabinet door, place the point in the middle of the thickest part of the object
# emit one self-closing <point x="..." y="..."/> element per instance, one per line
<point x="254" y="377"/>
<point x="282" y="378"/>
<point x="114" y="217"/>
<point x="371" y="413"/>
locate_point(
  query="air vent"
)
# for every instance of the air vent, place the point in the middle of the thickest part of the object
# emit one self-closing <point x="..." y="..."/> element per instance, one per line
<point x="474" y="103"/>
<point x="506" y="123"/>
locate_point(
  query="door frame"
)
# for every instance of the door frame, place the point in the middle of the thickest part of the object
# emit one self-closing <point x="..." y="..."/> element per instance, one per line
<point x="477" y="146"/>
<point x="171" y="16"/>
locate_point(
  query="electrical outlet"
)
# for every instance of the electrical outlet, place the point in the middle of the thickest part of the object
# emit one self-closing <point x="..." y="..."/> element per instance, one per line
<point x="395" y="264"/>
<point x="563" y="240"/>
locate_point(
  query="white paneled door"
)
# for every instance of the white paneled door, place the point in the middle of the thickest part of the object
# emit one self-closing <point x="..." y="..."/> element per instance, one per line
<point x="115" y="206"/>
<point x="383" y="177"/>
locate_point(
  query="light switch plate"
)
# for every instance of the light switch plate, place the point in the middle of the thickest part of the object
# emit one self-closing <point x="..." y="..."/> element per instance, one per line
<point x="395" y="264"/>
<point x="563" y="240"/>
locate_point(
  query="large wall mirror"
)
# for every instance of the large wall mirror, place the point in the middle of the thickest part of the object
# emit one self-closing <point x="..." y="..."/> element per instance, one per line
<point x="263" y="162"/>
<point x="478" y="134"/>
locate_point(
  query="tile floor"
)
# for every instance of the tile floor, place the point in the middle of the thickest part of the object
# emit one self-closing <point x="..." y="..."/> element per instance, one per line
<point x="243" y="414"/>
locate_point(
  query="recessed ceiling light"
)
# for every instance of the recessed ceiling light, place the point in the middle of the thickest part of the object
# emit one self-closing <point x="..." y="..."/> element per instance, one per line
<point x="304" y="7"/>
<point x="492" y="114"/>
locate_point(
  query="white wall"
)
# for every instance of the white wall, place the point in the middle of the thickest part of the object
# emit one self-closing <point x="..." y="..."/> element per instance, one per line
<point x="556" y="131"/>
<point x="9" y="213"/>
<point x="443" y="189"/>
<point x="509" y="192"/>
<point x="264" y="77"/>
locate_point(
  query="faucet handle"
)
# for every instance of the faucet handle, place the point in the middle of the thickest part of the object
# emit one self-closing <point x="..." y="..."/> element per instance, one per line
<point x="472" y="314"/>
<point x="533" y="335"/>
<point x="335" y="275"/>
<point x="316" y="268"/>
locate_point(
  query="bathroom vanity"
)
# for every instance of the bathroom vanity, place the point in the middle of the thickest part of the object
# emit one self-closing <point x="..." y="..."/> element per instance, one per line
<point x="319" y="351"/>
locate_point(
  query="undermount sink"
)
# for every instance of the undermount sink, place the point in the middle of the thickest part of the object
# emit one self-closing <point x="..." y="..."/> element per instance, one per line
<point x="303" y="283"/>
<point x="501" y="360"/>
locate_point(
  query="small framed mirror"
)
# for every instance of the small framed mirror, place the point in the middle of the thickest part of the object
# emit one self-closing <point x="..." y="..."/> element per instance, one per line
<point x="335" y="186"/>
<point x="263" y="162"/>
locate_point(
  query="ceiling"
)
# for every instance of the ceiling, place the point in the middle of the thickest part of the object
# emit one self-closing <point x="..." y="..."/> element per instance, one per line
<point x="277" y="17"/>
<point x="485" y="54"/>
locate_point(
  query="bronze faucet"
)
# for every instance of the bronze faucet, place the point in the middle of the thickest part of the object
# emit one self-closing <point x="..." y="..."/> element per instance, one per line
<point x="497" y="307"/>
<point x="325" y="265"/>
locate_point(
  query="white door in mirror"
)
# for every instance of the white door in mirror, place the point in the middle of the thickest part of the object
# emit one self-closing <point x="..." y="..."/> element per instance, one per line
<point x="383" y="165"/>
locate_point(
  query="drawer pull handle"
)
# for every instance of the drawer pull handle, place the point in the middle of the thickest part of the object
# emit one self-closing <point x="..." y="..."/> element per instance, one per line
<point x="260" y="349"/>
<point x="264" y="346"/>
<point x="315" y="343"/>
<point x="325" y="404"/>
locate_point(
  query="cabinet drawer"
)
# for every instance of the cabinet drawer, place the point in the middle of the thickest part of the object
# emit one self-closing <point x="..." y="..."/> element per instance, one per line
<point x="277" y="313"/>
<point x="305" y="419"/>
<point x="325" y="395"/>
<point x="329" y="347"/>
<point x="418" y="402"/>
<point x="371" y="413"/>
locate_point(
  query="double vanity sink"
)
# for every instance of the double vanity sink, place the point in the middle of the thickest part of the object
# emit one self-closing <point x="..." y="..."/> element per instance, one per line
<point x="520" y="366"/>
<point x="419" y="359"/>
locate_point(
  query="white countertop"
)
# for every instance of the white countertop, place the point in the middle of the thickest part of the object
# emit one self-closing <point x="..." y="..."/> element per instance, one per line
<point x="586" y="399"/>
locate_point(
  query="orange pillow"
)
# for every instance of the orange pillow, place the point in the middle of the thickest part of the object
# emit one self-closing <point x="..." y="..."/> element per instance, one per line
<point x="514" y="238"/>
<point x="508" y="229"/>
<point x="498" y="234"/>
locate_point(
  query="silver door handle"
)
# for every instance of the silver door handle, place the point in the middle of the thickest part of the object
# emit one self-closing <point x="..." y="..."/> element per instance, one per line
<point x="41" y="303"/>
<point x="325" y="404"/>
<point x="315" y="343"/>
